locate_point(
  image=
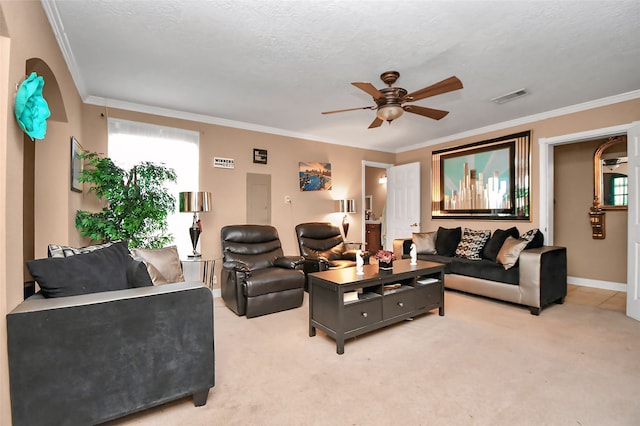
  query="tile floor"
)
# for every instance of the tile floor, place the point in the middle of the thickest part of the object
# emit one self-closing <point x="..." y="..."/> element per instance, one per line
<point x="604" y="299"/>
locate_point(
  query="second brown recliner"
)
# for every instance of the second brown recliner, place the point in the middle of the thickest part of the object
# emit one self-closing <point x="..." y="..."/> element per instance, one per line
<point x="322" y="246"/>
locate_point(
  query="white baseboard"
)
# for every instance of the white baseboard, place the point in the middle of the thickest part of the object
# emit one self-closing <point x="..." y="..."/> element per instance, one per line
<point x="606" y="285"/>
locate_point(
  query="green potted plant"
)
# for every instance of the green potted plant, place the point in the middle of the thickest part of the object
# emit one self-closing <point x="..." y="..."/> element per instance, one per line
<point x="136" y="202"/>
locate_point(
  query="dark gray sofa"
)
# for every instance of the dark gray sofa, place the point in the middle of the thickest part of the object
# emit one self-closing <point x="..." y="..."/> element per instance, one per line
<point x="90" y="358"/>
<point x="539" y="277"/>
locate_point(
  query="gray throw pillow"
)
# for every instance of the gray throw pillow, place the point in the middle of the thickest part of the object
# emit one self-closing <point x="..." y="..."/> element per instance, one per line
<point x="100" y="270"/>
<point x="137" y="274"/>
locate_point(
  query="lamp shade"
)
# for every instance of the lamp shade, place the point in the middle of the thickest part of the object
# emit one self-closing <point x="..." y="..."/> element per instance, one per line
<point x="389" y="112"/>
<point x="192" y="202"/>
<point x="347" y="206"/>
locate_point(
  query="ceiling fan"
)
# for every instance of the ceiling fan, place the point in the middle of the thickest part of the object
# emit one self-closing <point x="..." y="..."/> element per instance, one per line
<point x="390" y="100"/>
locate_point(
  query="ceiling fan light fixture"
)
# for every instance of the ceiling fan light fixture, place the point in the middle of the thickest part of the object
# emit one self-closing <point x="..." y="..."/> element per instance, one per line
<point x="389" y="112"/>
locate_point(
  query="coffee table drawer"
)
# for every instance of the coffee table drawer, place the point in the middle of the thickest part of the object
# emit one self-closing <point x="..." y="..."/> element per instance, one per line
<point x="428" y="295"/>
<point x="361" y="314"/>
<point x="398" y="303"/>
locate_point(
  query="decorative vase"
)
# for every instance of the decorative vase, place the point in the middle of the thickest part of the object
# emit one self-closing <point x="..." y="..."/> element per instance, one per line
<point x="385" y="266"/>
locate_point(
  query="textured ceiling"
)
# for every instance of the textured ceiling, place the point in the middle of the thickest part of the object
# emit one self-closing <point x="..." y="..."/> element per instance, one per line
<point x="276" y="65"/>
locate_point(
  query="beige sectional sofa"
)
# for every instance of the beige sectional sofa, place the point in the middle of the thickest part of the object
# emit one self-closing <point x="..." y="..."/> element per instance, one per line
<point x="537" y="278"/>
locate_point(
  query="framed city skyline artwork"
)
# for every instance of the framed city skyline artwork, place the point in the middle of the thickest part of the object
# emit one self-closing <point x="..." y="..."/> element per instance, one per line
<point x="314" y="176"/>
<point x="483" y="180"/>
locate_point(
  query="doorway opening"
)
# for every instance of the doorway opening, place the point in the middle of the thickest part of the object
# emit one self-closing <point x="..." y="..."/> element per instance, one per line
<point x="546" y="199"/>
<point x="374" y="201"/>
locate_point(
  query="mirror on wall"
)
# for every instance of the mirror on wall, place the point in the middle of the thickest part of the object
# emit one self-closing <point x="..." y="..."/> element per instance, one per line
<point x="610" y="173"/>
<point x="368" y="206"/>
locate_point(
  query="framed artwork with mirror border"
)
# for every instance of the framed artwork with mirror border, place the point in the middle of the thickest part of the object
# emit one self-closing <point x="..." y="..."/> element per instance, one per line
<point x="483" y="180"/>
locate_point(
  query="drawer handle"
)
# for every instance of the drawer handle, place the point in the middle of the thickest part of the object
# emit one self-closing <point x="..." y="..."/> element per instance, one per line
<point x="401" y="304"/>
<point x="364" y="314"/>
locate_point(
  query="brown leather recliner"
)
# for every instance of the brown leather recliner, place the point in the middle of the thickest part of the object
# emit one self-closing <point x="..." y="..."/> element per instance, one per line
<point x="257" y="279"/>
<point x="323" y="248"/>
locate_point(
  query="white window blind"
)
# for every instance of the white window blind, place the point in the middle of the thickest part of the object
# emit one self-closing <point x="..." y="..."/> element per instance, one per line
<point x="132" y="142"/>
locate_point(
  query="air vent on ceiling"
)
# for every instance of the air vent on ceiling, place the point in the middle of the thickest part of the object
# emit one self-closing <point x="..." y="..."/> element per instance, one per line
<point x="510" y="96"/>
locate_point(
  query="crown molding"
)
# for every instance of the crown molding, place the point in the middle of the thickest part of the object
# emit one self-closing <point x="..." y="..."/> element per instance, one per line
<point x="200" y="118"/>
<point x="51" y="10"/>
<point x="529" y="119"/>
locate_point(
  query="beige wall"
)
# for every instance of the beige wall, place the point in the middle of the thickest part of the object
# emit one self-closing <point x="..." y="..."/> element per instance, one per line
<point x="5" y="304"/>
<point x="228" y="186"/>
<point x="29" y="37"/>
<point x="604" y="260"/>
<point x="597" y="118"/>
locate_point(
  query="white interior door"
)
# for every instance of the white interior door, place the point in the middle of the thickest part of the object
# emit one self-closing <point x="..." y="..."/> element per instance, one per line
<point x="402" y="216"/>
<point x="633" y="242"/>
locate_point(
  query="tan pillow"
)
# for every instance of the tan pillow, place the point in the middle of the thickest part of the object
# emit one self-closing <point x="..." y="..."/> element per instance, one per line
<point x="425" y="242"/>
<point x="163" y="264"/>
<point x="510" y="251"/>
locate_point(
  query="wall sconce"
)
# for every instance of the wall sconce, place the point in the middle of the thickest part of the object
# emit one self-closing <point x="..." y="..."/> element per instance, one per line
<point x="194" y="202"/>
<point x="383" y="179"/>
<point x="346" y="206"/>
<point x="596" y="216"/>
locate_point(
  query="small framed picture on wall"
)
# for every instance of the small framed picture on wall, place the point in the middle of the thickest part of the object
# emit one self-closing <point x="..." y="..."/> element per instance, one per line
<point x="260" y="156"/>
<point x="76" y="165"/>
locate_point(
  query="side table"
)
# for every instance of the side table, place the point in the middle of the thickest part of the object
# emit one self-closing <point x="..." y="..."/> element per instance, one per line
<point x="205" y="267"/>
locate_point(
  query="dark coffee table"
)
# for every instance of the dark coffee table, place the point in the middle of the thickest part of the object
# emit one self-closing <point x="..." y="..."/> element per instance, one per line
<point x="344" y="304"/>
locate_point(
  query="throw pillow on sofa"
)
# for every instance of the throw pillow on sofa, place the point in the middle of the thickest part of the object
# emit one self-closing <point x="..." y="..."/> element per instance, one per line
<point x="425" y="242"/>
<point x="510" y="252"/>
<point x="137" y="275"/>
<point x="97" y="271"/>
<point x="163" y="264"/>
<point x="472" y="243"/>
<point x="54" y="250"/>
<point x="534" y="237"/>
<point x="447" y="241"/>
<point x="491" y="249"/>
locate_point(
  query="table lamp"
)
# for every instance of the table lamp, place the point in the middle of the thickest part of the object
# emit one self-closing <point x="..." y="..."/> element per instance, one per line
<point x="195" y="202"/>
<point x="346" y="206"/>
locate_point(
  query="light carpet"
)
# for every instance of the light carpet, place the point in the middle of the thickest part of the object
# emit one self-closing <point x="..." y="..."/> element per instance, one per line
<point x="483" y="363"/>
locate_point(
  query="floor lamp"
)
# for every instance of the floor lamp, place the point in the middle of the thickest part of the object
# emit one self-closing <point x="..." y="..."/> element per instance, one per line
<point x="195" y="202"/>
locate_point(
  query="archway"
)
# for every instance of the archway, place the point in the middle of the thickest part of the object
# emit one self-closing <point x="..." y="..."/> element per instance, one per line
<point x="51" y="92"/>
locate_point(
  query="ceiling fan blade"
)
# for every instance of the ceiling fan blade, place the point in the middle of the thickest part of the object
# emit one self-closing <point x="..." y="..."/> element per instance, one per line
<point x="370" y="89"/>
<point x="436" y="114"/>
<point x="349" y="109"/>
<point x="447" y="85"/>
<point x="375" y="123"/>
